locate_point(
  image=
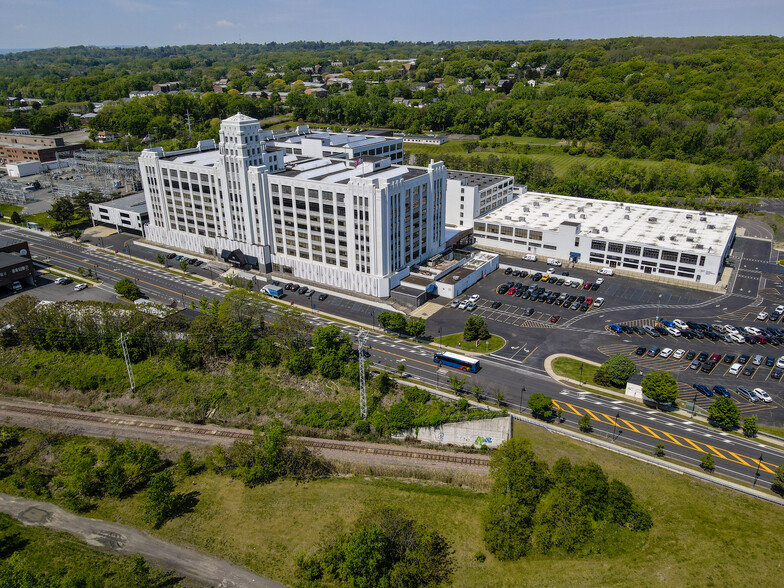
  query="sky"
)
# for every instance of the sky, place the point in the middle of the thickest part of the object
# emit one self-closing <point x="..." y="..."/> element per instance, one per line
<point x="52" y="23"/>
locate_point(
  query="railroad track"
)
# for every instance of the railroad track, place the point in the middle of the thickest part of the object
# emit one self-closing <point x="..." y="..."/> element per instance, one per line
<point x="347" y="446"/>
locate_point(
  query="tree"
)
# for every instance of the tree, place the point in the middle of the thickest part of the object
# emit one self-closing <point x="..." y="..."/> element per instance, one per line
<point x="477" y="392"/>
<point x="616" y="371"/>
<point x="63" y="211"/>
<point x="750" y="427"/>
<point x="707" y="462"/>
<point x="475" y="328"/>
<point x="161" y="499"/>
<point x="660" y="387"/>
<point x="299" y="362"/>
<point x="659" y="450"/>
<point x="724" y="413"/>
<point x="416" y="327"/>
<point x="561" y="521"/>
<point x="457" y="383"/>
<point x="585" y="424"/>
<point x="161" y="259"/>
<point x="401" y="369"/>
<point x="16" y="218"/>
<point x="541" y="406"/>
<point x="183" y="265"/>
<point x="127" y="289"/>
<point x="778" y="480"/>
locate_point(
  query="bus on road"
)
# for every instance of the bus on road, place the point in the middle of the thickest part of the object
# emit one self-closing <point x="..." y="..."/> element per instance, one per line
<point x="454" y="360"/>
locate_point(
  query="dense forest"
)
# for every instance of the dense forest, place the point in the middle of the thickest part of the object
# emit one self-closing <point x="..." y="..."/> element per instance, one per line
<point x="712" y="102"/>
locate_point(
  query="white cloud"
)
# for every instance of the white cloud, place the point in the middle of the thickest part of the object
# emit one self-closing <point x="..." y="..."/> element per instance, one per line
<point x="224" y="23"/>
<point x="19" y="26"/>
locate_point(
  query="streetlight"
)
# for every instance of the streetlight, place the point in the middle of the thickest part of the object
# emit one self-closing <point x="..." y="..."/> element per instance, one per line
<point x="693" y="406"/>
<point x="581" y="375"/>
<point x="756" y="476"/>
<point x="440" y="339"/>
<point x="615" y="422"/>
<point x="96" y="271"/>
<point x="658" y="308"/>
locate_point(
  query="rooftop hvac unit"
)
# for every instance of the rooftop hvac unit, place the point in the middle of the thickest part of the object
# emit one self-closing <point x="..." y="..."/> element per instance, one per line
<point x="580" y="209"/>
<point x="507" y="217"/>
<point x="595" y="231"/>
<point x="545" y="214"/>
<point x="605" y="230"/>
<point x="628" y="209"/>
<point x="521" y="219"/>
<point x="625" y="217"/>
<point x="699" y="246"/>
<point x="673" y="238"/>
<point x="572" y="215"/>
<point x="692" y="230"/>
<point x="526" y="209"/>
<point x="690" y="239"/>
<point x="711" y="226"/>
<point x="536" y="203"/>
<point x="703" y="219"/>
<point x="582" y="216"/>
<point x="689" y="216"/>
<point x="651" y="219"/>
<point x="660" y="237"/>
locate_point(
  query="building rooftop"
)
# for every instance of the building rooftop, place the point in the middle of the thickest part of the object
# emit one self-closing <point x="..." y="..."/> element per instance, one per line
<point x="204" y="158"/>
<point x="476" y="179"/>
<point x="341" y="171"/>
<point x="133" y="203"/>
<point x="7" y="259"/>
<point x="618" y="221"/>
<point x="8" y="241"/>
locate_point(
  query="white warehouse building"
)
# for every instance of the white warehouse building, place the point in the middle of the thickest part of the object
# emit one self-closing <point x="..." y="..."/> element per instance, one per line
<point x="671" y="242"/>
<point x="355" y="224"/>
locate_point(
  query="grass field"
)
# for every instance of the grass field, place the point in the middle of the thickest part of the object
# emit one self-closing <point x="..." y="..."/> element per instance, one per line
<point x="8" y="210"/>
<point x="494" y="343"/>
<point x="702" y="535"/>
<point x="570" y="368"/>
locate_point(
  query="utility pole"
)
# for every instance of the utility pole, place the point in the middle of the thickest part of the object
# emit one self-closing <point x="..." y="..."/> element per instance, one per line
<point x="188" y="120"/>
<point x="362" y="336"/>
<point x="126" y="356"/>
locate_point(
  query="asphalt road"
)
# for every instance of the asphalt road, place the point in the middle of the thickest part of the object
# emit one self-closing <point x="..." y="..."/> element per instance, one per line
<point x="204" y="569"/>
<point x="517" y="370"/>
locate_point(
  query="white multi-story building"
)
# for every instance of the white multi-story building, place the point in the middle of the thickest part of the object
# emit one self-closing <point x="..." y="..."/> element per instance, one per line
<point x="670" y="242"/>
<point x="471" y="194"/>
<point x="304" y="141"/>
<point x="354" y="223"/>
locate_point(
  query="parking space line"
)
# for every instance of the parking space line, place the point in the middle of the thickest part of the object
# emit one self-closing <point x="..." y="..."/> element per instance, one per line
<point x="529" y="355"/>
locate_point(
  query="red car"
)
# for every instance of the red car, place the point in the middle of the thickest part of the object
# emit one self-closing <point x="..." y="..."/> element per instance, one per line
<point x="510" y="292"/>
<point x="555" y="318"/>
<point x="587" y="286"/>
<point x="589" y="301"/>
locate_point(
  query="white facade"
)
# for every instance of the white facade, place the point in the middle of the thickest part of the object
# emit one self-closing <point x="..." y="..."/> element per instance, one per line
<point x="354" y="225"/>
<point x="307" y="143"/>
<point x="674" y="243"/>
<point x="471" y="194"/>
<point x="22" y="169"/>
<point x="129" y="212"/>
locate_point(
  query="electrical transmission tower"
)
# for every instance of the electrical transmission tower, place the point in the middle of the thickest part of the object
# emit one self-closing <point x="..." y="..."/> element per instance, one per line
<point x="362" y="336"/>
<point x="127" y="357"/>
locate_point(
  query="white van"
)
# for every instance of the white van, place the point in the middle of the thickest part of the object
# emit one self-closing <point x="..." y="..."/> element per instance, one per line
<point x="554" y="262"/>
<point x="529" y="257"/>
<point x="605" y="271"/>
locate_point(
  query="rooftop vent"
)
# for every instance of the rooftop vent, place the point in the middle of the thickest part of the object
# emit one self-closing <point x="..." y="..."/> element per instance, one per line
<point x="673" y="238"/>
<point x="628" y="209"/>
<point x="595" y="231"/>
<point x="689" y="216"/>
<point x="690" y="239"/>
<point x="526" y="209"/>
<point x="651" y="219"/>
<point x="536" y="203"/>
<point x="545" y="214"/>
<point x="580" y="209"/>
<point x="625" y="217"/>
<point x="660" y="237"/>
<point x="582" y="216"/>
<point x="572" y="215"/>
<point x="699" y="246"/>
<point x="520" y="219"/>
<point x="703" y="219"/>
<point x="692" y="230"/>
<point x="508" y="217"/>
<point x="711" y="226"/>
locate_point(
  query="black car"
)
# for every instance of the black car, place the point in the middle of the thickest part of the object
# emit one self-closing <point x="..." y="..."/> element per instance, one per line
<point x="638" y="330"/>
<point x="729" y="358"/>
<point x="662" y="331"/>
<point x="584" y="306"/>
<point x="191" y="261"/>
<point x="595" y="286"/>
<point x="518" y="286"/>
<point x="688" y="334"/>
<point x="708" y="366"/>
<point x="749" y="339"/>
<point x="711" y="335"/>
<point x="774" y="316"/>
<point x="508" y="271"/>
<point x="302" y="290"/>
<point x="553" y="279"/>
<point x="625" y="328"/>
<point x="171" y="256"/>
<point x="518" y="293"/>
<point x="502" y="289"/>
<point x="523" y="273"/>
<point x="743" y="358"/>
<point x="698" y="334"/>
<point x="495" y="304"/>
<point x="750" y="369"/>
<point x="516" y="273"/>
<point x="770" y="362"/>
<point x="292" y="287"/>
<point x="323" y="297"/>
<point x="537" y="276"/>
<point x="690" y="355"/>
<point x="776" y="374"/>
<point x="528" y="311"/>
<point x="703" y="356"/>
<point x="525" y="295"/>
<point x="560" y="281"/>
<point x="640" y="351"/>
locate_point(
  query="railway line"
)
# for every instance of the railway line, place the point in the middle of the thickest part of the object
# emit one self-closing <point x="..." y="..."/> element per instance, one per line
<point x="205" y="431"/>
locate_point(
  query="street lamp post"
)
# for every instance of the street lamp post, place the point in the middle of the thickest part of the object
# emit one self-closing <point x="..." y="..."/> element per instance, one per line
<point x="96" y="271"/>
<point x="756" y="476"/>
<point x="658" y="308"/>
<point x="615" y="422"/>
<point x="581" y="375"/>
<point x="693" y="406"/>
<point x="440" y="339"/>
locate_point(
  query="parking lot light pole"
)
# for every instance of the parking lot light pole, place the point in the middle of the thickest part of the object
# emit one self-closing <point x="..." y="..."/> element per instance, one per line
<point x="440" y="339"/>
<point x="658" y="308"/>
<point x="693" y="406"/>
<point x="756" y="476"/>
<point x="581" y="375"/>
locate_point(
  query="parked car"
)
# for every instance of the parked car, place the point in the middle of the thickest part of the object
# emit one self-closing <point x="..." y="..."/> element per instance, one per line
<point x="599" y="281"/>
<point x="703" y="389"/>
<point x="495" y="304"/>
<point x="762" y="316"/>
<point x="653" y="352"/>
<point x="776" y="373"/>
<point x="762" y="395"/>
<point x="616" y="328"/>
<point x="323" y="297"/>
<point x="770" y="361"/>
<point x="463" y="304"/>
<point x="508" y="271"/>
<point x="80" y="287"/>
<point x="528" y="311"/>
<point x="555" y="318"/>
<point x="502" y="289"/>
<point x="666" y="352"/>
<point x="598" y="302"/>
<point x="721" y="391"/>
<point x="678" y="353"/>
<point x="749" y="371"/>
<point x="708" y="366"/>
<point x="171" y="255"/>
<point x="743" y="358"/>
<point x="690" y="355"/>
<point x="735" y="369"/>
<point x="729" y="358"/>
<point x="673" y="331"/>
<point x="695" y="365"/>
<point x="471" y="306"/>
<point x="758" y="359"/>
<point x="474" y="298"/>
<point x="640" y="351"/>
<point x="455" y="303"/>
<point x="747" y="394"/>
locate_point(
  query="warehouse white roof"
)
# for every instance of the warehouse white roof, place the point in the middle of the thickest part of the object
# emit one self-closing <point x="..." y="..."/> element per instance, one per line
<point x="618" y="221"/>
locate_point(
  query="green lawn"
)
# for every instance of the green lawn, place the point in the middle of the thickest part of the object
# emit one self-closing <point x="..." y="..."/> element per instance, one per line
<point x="570" y="368"/>
<point x="8" y="210"/>
<point x="494" y="343"/>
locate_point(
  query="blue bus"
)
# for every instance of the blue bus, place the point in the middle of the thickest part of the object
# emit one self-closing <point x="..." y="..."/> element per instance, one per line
<point x="454" y="360"/>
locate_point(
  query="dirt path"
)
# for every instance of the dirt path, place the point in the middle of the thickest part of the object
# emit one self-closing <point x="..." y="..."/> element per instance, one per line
<point x="196" y="566"/>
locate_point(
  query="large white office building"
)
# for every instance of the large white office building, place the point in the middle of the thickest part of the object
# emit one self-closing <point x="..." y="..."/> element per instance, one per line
<point x="350" y="219"/>
<point x="669" y="242"/>
<point x="471" y="194"/>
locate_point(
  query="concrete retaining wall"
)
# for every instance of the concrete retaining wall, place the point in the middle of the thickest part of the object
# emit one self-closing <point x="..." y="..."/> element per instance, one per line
<point x="489" y="432"/>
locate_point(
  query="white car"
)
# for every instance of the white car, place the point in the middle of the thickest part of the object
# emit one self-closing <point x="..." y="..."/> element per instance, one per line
<point x="737" y="338"/>
<point x="455" y="303"/>
<point x="735" y="369"/>
<point x="680" y="324"/>
<point x="753" y="331"/>
<point x="780" y="308"/>
<point x="780" y="362"/>
<point x="471" y="307"/>
<point x="463" y="304"/>
<point x="599" y="281"/>
<point x="678" y="353"/>
<point x="550" y="270"/>
<point x="763" y="395"/>
<point x="474" y="298"/>
<point x="673" y="331"/>
<point x="665" y="353"/>
<point x="598" y="302"/>
<point x="80" y="287"/>
<point x="762" y="316"/>
<point x="567" y="283"/>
